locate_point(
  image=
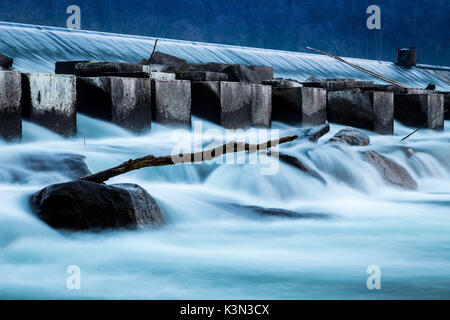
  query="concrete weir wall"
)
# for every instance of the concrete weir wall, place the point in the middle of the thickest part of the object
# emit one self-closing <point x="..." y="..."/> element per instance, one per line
<point x="123" y="101"/>
<point x="233" y="105"/>
<point x="171" y="102"/>
<point x="50" y="101"/>
<point x="447" y="105"/>
<point x="417" y="109"/>
<point x="10" y="105"/>
<point x="299" y="105"/>
<point x="371" y="110"/>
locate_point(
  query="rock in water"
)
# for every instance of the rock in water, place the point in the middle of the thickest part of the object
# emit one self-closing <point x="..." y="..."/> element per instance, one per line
<point x="295" y="162"/>
<point x="83" y="205"/>
<point x="392" y="172"/>
<point x="5" y="61"/>
<point x="351" y="136"/>
<point x="72" y="166"/>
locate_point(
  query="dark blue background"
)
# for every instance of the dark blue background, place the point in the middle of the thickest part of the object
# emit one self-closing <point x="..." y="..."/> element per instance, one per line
<point x="338" y="26"/>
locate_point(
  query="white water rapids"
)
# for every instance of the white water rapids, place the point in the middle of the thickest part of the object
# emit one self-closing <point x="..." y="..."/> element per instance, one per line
<point x="213" y="246"/>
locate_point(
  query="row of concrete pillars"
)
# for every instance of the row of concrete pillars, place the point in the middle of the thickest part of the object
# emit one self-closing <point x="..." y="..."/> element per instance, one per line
<point x="133" y="101"/>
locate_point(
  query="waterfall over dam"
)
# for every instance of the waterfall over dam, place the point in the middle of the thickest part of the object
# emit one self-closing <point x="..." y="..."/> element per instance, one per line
<point x="231" y="232"/>
<point x="37" y="48"/>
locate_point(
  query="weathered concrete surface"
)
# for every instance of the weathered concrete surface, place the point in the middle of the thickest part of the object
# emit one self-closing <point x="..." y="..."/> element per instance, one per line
<point x="5" y="61"/>
<point x="67" y="67"/>
<point x="236" y="104"/>
<point x="283" y="83"/>
<point x="10" y="105"/>
<point x="158" y="68"/>
<point x="123" y="101"/>
<point x="99" y="69"/>
<point x="83" y="205"/>
<point x="179" y="65"/>
<point x="224" y="103"/>
<point x="162" y="76"/>
<point x="391" y="172"/>
<point x="299" y="106"/>
<point x="171" y="102"/>
<point x="202" y="76"/>
<point x="337" y="84"/>
<point x="232" y="105"/>
<point x="261" y="106"/>
<point x="416" y="110"/>
<point x="50" y="101"/>
<point x="371" y="110"/>
<point x="351" y="136"/>
<point x="262" y="73"/>
<point x="447" y="105"/>
<point x="237" y="72"/>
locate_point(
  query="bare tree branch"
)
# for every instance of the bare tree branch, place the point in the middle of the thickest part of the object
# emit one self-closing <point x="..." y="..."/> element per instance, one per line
<point x="152" y="161"/>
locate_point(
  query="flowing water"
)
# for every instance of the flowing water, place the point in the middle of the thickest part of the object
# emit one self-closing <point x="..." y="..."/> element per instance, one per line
<point x="214" y="245"/>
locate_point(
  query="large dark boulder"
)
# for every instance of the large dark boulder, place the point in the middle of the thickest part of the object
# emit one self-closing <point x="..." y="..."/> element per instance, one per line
<point x="391" y="171"/>
<point x="83" y="205"/>
<point x="5" y="61"/>
<point x="160" y="58"/>
<point x="351" y="136"/>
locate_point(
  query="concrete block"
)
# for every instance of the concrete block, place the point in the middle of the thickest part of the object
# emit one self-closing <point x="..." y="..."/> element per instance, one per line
<point x="416" y="110"/>
<point x="50" y="101"/>
<point x="261" y="106"/>
<point x="161" y="58"/>
<point x="283" y="83"/>
<point x="202" y="76"/>
<point x="158" y="68"/>
<point x="10" y="105"/>
<point x="5" y="61"/>
<point x="337" y="84"/>
<point x="67" y="67"/>
<point x="171" y="101"/>
<point x="299" y="106"/>
<point x="262" y="73"/>
<point x="237" y="72"/>
<point x="123" y="101"/>
<point x="371" y="110"/>
<point x="228" y="104"/>
<point x="162" y="76"/>
<point x="99" y="69"/>
<point x="447" y="105"/>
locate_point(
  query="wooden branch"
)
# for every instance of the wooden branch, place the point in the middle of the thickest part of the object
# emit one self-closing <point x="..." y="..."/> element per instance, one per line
<point x="376" y="75"/>
<point x="152" y="161"/>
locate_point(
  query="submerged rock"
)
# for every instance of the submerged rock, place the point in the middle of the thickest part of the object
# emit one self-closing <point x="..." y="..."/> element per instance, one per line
<point x="275" y="212"/>
<point x="83" y="205"/>
<point x="68" y="164"/>
<point x="5" y="61"/>
<point x="351" y="136"/>
<point x="297" y="163"/>
<point x="392" y="172"/>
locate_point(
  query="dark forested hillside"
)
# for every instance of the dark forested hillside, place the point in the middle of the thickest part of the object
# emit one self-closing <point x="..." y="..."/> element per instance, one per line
<point x="333" y="25"/>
